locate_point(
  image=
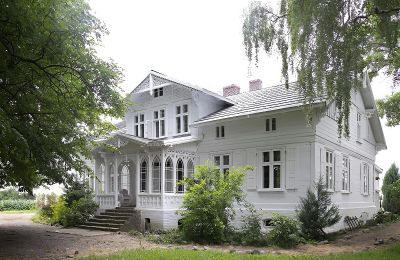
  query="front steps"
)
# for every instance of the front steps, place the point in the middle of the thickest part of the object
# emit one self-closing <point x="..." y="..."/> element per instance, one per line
<point x="110" y="220"/>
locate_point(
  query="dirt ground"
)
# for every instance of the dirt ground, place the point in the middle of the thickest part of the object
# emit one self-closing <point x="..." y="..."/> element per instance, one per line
<point x="20" y="238"/>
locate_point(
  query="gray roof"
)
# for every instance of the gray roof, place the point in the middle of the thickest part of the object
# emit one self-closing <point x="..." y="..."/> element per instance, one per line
<point x="259" y="101"/>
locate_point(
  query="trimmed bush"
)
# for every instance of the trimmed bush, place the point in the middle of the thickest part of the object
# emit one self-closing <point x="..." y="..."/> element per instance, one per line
<point x="19" y="204"/>
<point x="250" y="232"/>
<point x="284" y="232"/>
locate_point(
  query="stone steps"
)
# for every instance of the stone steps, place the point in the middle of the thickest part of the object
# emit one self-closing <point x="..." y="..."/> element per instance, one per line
<point x="110" y="220"/>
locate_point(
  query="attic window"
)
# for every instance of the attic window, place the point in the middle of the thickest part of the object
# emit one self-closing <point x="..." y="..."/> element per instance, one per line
<point x="270" y="124"/>
<point x="220" y="132"/>
<point x="158" y="92"/>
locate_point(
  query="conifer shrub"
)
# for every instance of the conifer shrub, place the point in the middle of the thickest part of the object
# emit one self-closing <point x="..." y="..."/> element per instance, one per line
<point x="316" y="212"/>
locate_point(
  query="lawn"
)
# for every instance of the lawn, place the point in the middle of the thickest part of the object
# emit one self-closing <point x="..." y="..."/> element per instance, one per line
<point x="382" y="254"/>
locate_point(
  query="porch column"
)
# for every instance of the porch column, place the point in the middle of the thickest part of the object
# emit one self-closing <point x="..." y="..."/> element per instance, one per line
<point x="137" y="178"/>
<point x="94" y="176"/>
<point x="116" y="180"/>
<point x="150" y="174"/>
<point x="162" y="177"/>
<point x="175" y="160"/>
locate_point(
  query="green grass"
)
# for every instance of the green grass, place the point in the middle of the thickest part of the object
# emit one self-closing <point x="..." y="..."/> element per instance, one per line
<point x="382" y="254"/>
<point x="18" y="211"/>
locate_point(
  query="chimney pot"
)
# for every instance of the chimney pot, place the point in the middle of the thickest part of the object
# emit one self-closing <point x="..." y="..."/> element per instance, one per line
<point x="231" y="90"/>
<point x="255" y="84"/>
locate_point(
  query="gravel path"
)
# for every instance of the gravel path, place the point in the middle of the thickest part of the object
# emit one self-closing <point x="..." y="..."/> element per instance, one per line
<point x="20" y="238"/>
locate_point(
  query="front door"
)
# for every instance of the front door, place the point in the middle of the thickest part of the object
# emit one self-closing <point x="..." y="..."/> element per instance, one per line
<point x="126" y="183"/>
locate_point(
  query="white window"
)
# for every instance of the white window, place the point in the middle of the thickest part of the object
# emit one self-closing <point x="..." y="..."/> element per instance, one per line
<point x="358" y="125"/>
<point x="102" y="178"/>
<point x="220" y="131"/>
<point x="223" y="162"/>
<point x="270" y="124"/>
<point x="139" y="125"/>
<point x="156" y="176"/>
<point x="182" y="119"/>
<point x="159" y="123"/>
<point x="169" y="176"/>
<point x="123" y="178"/>
<point x="143" y="176"/>
<point x="329" y="170"/>
<point x="365" y="177"/>
<point x="158" y="92"/>
<point x="111" y="178"/>
<point x="179" y="176"/>
<point x="272" y="169"/>
<point x="190" y="169"/>
<point x="346" y="174"/>
<point x="331" y="111"/>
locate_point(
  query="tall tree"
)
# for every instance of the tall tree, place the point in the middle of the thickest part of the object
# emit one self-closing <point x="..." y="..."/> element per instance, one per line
<point x="328" y="45"/>
<point x="54" y="90"/>
<point x="391" y="176"/>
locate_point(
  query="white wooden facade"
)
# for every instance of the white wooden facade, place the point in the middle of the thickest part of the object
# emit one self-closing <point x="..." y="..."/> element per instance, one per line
<point x="174" y="126"/>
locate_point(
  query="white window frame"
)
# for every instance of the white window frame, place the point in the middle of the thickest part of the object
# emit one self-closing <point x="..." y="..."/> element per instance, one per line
<point x="181" y="171"/>
<point x="220" y="132"/>
<point x="345" y="174"/>
<point x="180" y="116"/>
<point x="365" y="179"/>
<point x="330" y="170"/>
<point x="102" y="186"/>
<point x="111" y="178"/>
<point x="271" y="124"/>
<point x="169" y="170"/>
<point x="160" y="120"/>
<point x="190" y="168"/>
<point x="158" y="92"/>
<point x="223" y="167"/>
<point x="156" y="176"/>
<point x="272" y="163"/>
<point x="139" y="121"/>
<point x="144" y="188"/>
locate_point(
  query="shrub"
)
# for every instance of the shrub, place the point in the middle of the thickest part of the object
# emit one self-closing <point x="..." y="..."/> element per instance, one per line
<point x="45" y="204"/>
<point x="173" y="236"/>
<point x="250" y="233"/>
<point x="59" y="212"/>
<point x="383" y="217"/>
<point x="208" y="203"/>
<point x="392" y="197"/>
<point x="391" y="176"/>
<point x="284" y="232"/>
<point x="13" y="194"/>
<point x="316" y="212"/>
<point x="17" y="204"/>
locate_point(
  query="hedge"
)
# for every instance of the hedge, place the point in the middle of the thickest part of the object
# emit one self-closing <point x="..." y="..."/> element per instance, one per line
<point x="17" y="205"/>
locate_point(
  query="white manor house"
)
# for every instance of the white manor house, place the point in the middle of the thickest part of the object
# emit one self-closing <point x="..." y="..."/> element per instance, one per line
<point x="174" y="126"/>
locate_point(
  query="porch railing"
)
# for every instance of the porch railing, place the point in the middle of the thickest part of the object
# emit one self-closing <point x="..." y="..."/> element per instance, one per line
<point x="173" y="200"/>
<point x="149" y="201"/>
<point x="106" y="201"/>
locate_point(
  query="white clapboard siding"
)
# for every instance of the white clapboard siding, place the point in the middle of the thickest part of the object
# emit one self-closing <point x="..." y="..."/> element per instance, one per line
<point x="323" y="164"/>
<point x="291" y="167"/>
<point x="251" y="180"/>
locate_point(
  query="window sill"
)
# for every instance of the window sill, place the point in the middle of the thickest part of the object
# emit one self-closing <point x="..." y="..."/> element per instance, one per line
<point x="181" y="134"/>
<point x="365" y="194"/>
<point x="345" y="192"/>
<point x="330" y="190"/>
<point x="359" y="141"/>
<point x="271" y="190"/>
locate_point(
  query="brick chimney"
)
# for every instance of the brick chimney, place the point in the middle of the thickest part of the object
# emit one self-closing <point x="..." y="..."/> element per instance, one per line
<point x="231" y="90"/>
<point x="255" y="84"/>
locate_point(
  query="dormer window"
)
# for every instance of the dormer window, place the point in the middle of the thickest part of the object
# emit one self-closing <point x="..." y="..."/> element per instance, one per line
<point x="158" y="92"/>
<point x="182" y="119"/>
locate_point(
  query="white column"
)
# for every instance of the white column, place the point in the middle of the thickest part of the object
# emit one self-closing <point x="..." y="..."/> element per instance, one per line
<point x="106" y="175"/>
<point x="150" y="175"/>
<point x="175" y="161"/>
<point x="162" y="177"/>
<point x="116" y="180"/>
<point x="94" y="177"/>
<point x="137" y="178"/>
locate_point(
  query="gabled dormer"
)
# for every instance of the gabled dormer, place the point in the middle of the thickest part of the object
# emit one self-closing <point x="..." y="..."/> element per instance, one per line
<point x="164" y="108"/>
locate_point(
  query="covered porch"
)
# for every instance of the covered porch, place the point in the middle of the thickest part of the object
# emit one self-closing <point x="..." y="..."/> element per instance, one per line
<point x="140" y="173"/>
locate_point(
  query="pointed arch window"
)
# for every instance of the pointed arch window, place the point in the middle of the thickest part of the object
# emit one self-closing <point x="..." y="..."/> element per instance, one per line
<point x="102" y="178"/>
<point x="123" y="179"/>
<point x="156" y="176"/>
<point x="111" y="178"/>
<point x="169" y="175"/>
<point x="179" y="176"/>
<point x="190" y="169"/>
<point x="143" y="176"/>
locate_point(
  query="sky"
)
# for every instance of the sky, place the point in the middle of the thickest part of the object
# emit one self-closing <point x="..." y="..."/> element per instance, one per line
<point x="199" y="42"/>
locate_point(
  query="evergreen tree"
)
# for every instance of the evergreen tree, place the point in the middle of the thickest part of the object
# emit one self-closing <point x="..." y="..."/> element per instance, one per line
<point x="316" y="212"/>
<point x="391" y="176"/>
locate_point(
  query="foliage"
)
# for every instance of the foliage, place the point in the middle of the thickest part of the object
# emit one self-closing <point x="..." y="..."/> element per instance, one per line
<point x="285" y="232"/>
<point x="391" y="176"/>
<point x="250" y="233"/>
<point x="172" y="236"/>
<point x="13" y="194"/>
<point x="389" y="107"/>
<point x="45" y="204"/>
<point x="316" y="212"/>
<point x="382" y="217"/>
<point x="19" y="204"/>
<point x="392" y="198"/>
<point x="392" y="252"/>
<point x="329" y="45"/>
<point x="208" y="203"/>
<point x="55" y="92"/>
<point x="60" y="212"/>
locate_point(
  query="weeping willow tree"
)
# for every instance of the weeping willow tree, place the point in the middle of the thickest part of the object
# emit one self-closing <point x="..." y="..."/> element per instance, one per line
<point x="328" y="45"/>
